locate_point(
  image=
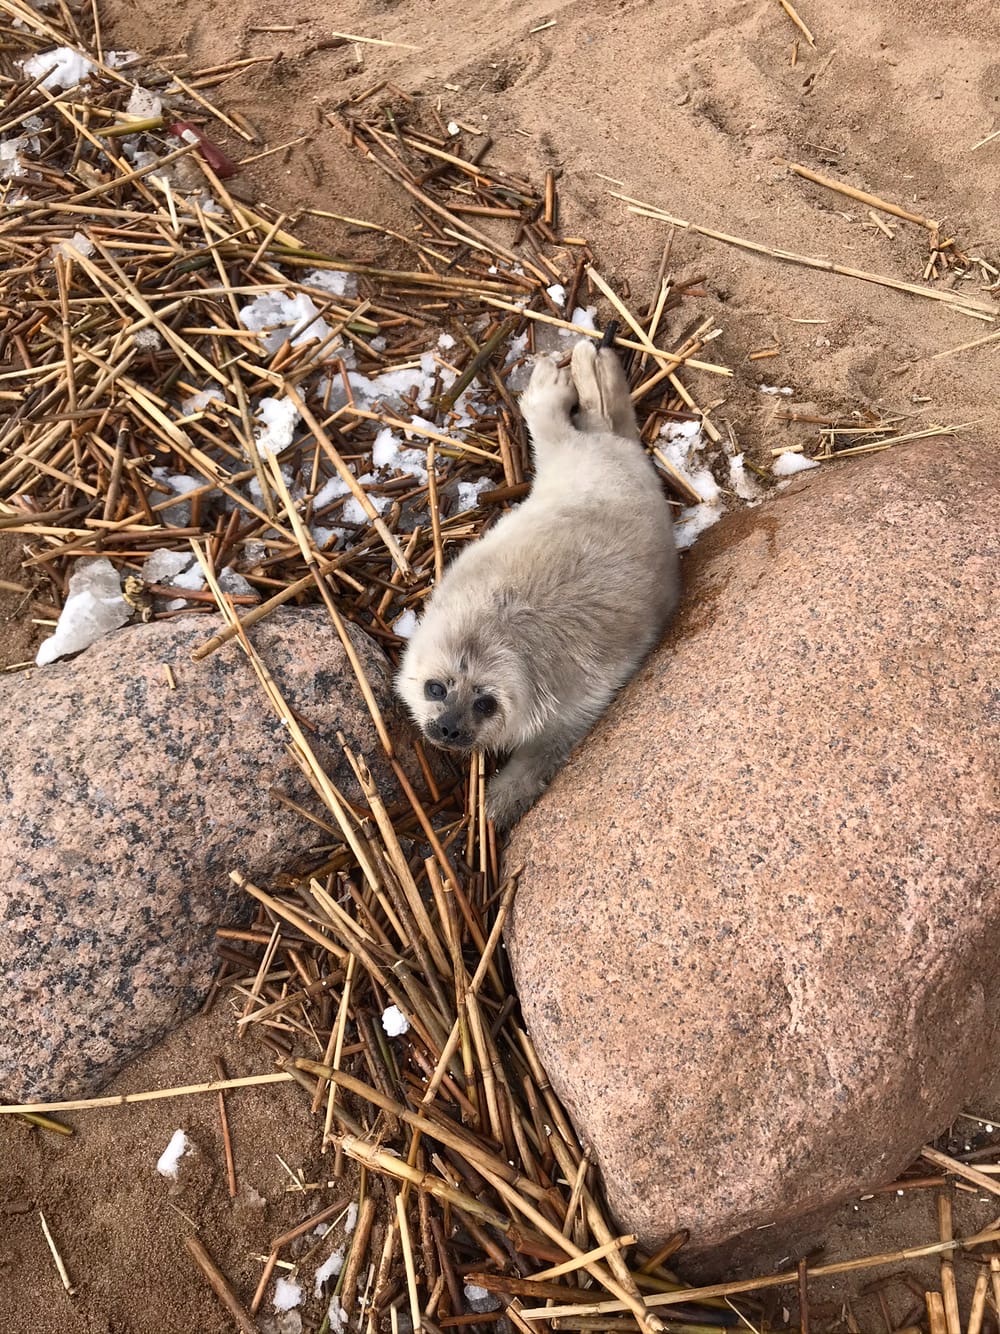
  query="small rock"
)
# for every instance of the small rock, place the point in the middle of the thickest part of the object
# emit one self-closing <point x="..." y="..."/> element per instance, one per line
<point x="755" y="938"/>
<point x="124" y="804"/>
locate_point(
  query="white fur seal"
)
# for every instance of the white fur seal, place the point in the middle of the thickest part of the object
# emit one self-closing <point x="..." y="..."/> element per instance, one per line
<point x="535" y="627"/>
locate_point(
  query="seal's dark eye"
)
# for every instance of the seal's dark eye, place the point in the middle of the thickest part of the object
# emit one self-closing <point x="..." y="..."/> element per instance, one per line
<point x="485" y="706"/>
<point x="435" y="689"/>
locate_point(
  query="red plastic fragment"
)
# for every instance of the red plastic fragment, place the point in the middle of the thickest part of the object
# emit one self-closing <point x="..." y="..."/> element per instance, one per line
<point x="223" y="166"/>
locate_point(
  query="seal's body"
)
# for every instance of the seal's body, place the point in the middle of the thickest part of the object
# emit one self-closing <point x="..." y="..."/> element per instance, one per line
<point x="535" y="627"/>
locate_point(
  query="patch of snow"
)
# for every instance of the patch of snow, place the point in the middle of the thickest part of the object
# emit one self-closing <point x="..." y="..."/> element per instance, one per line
<point x="692" y="522"/>
<point x="585" y="317"/>
<point x="388" y="452"/>
<point x="351" y="1221"/>
<point x="405" y="623"/>
<point x="745" y="486"/>
<point x="65" y="67"/>
<point x="168" y="1164"/>
<point x="558" y="293"/>
<point x="276" y="420"/>
<point x="337" y="1316"/>
<point x="94" y="607"/>
<point x="446" y="341"/>
<point x="395" y="1022"/>
<point x="354" y="512"/>
<point x="286" y="1294"/>
<point x="454" y="128"/>
<point x="324" y="536"/>
<point x="328" y="1269"/>
<point x="468" y="493"/>
<point x="784" y="390"/>
<point x="330" y="491"/>
<point x="683" y="446"/>
<point x="279" y="317"/>
<point x="787" y="465"/>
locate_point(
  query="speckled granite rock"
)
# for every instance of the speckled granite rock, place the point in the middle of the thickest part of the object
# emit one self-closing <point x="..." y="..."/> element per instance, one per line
<point x="123" y="807"/>
<point x="757" y="932"/>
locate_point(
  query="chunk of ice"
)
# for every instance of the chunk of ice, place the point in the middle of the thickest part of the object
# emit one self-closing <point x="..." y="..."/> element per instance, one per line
<point x="10" y="157"/>
<point x="143" y="103"/>
<point x="232" y="582"/>
<point x="163" y="565"/>
<point x="481" y="1299"/>
<point x="199" y="401"/>
<point x="77" y="245"/>
<point x="334" y="281"/>
<point x="558" y="293"/>
<point x="193" y="578"/>
<point x="94" y="607"/>
<point x="168" y="1164"/>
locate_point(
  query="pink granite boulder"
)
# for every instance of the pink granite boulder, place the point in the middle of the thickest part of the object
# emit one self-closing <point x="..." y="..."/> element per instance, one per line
<point x="756" y="936"/>
<point x="124" y="804"/>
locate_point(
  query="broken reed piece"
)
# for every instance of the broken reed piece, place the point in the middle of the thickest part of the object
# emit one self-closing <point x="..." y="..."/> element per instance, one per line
<point x="793" y="14"/>
<point x="220" y="1285"/>
<point x="862" y="196"/>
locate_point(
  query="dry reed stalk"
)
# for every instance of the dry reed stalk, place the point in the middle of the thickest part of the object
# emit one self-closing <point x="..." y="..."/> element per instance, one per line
<point x="152" y="1095"/>
<point x="964" y="305"/>
<point x="956" y="1168"/>
<point x="787" y="1277"/>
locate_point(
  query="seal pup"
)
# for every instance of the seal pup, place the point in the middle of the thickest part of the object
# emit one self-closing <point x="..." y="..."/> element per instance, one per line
<point x="536" y="626"/>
